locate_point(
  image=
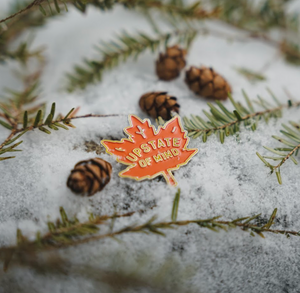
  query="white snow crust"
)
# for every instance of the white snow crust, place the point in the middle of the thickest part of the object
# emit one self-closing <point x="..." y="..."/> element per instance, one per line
<point x="227" y="180"/>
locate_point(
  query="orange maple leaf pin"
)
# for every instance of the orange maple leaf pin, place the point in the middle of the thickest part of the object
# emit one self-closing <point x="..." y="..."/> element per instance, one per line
<point x="150" y="152"/>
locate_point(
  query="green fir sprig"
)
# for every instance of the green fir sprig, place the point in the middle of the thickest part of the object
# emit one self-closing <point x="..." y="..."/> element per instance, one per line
<point x="22" y="54"/>
<point x="61" y="232"/>
<point x="257" y="16"/>
<point x="124" y="47"/>
<point x="17" y="108"/>
<point x="34" y="4"/>
<point x="10" y="31"/>
<point x="193" y="11"/>
<point x="224" y="122"/>
<point x="12" y="148"/>
<point x="243" y="14"/>
<point x="289" y="150"/>
<point x="20" y="113"/>
<point x="31" y="123"/>
<point x="26" y="17"/>
<point x="71" y="232"/>
<point x="129" y="45"/>
<point x="41" y="122"/>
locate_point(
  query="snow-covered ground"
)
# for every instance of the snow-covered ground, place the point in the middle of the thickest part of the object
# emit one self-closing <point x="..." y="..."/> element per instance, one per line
<point x="226" y="179"/>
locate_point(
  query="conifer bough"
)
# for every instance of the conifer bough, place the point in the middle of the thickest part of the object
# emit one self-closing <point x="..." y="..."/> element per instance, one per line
<point x="67" y="232"/>
<point x="124" y="47"/>
<point x="193" y="11"/>
<point x="289" y="149"/>
<point x="224" y="122"/>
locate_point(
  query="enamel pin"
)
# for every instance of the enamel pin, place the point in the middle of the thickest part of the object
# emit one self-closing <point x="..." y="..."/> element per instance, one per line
<point x="149" y="152"/>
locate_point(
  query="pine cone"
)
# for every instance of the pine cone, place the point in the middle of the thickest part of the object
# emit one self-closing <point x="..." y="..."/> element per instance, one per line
<point x="169" y="65"/>
<point x="89" y="176"/>
<point x="206" y="82"/>
<point x="158" y="104"/>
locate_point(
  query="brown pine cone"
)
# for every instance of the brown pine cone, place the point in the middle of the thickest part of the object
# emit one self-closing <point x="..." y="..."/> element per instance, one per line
<point x="89" y="176"/>
<point x="169" y="65"/>
<point x="157" y="104"/>
<point x="206" y="82"/>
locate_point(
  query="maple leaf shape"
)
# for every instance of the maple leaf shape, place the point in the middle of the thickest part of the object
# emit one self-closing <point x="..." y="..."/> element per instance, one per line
<point x="150" y="152"/>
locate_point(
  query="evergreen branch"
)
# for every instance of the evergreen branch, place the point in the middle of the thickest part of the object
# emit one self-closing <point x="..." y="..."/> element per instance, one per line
<point x="53" y="124"/>
<point x="22" y="19"/>
<point x="223" y="122"/>
<point x="52" y="5"/>
<point x="64" y="230"/>
<point x="61" y="122"/>
<point x="9" y="149"/>
<point x="234" y="13"/>
<point x="66" y="233"/>
<point x="34" y="3"/>
<point x="13" y="110"/>
<point x="131" y="46"/>
<point x="20" y="117"/>
<point x="22" y="54"/>
<point x="16" y="26"/>
<point x="124" y="47"/>
<point x="256" y="19"/>
<point x="289" y="151"/>
<point x="66" y="237"/>
<point x="257" y="16"/>
<point x="18" y="101"/>
<point x="193" y="11"/>
<point x="152" y="227"/>
<point x="7" y="139"/>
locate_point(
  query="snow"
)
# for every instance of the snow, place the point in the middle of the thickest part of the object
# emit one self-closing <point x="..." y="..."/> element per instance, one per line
<point x="226" y="179"/>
